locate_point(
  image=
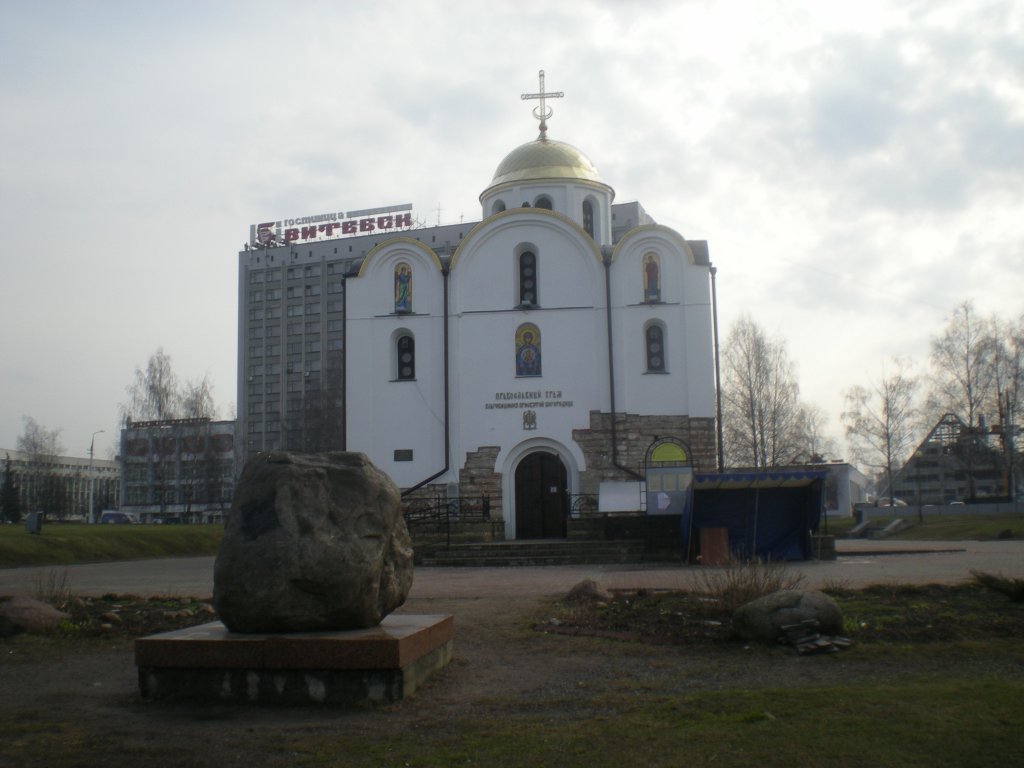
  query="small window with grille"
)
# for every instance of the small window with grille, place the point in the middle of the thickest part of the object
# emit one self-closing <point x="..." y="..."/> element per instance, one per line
<point x="655" y="341"/>
<point x="406" y="351"/>
<point x="528" y="279"/>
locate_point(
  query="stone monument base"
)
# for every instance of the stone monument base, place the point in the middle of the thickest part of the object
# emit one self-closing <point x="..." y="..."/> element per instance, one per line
<point x="360" y="666"/>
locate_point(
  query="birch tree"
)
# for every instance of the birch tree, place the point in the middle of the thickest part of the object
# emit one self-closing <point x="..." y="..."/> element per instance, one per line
<point x="963" y="376"/>
<point x="881" y="420"/>
<point x="760" y="399"/>
<point x="155" y="394"/>
<point x="41" y="447"/>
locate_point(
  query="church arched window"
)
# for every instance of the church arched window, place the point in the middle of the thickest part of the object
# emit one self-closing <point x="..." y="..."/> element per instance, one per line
<point x="654" y="342"/>
<point x="528" y="279"/>
<point x="403" y="289"/>
<point x="498" y="206"/>
<point x="527" y="350"/>
<point x="588" y="217"/>
<point x="405" y="357"/>
<point x="543" y="202"/>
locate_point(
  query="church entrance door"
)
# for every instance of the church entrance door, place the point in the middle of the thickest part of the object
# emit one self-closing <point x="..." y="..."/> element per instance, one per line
<point x="542" y="503"/>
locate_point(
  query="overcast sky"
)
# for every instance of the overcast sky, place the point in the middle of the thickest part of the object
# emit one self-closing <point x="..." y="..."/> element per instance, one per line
<point x="856" y="168"/>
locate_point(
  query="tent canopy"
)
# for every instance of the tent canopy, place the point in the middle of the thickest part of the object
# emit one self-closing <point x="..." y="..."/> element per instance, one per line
<point x="769" y="515"/>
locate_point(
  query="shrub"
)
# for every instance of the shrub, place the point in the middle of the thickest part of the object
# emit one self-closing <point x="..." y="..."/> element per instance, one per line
<point x="739" y="581"/>
<point x="1006" y="585"/>
<point x="53" y="587"/>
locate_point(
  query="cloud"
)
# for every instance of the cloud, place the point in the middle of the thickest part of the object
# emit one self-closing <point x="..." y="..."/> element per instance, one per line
<point x="855" y="169"/>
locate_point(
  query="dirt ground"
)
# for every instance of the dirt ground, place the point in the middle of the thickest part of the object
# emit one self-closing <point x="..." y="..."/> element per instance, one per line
<point x="83" y="692"/>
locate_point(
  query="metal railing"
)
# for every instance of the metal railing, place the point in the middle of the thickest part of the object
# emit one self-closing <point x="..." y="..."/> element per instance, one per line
<point x="582" y="504"/>
<point x="430" y="520"/>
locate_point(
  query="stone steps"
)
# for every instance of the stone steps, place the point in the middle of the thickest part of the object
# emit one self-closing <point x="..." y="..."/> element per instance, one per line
<point x="432" y="535"/>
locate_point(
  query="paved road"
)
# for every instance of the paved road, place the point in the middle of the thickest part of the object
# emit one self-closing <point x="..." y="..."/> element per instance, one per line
<point x="860" y="563"/>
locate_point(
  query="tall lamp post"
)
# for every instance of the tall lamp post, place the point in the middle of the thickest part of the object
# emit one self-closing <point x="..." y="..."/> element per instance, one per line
<point x="92" y="479"/>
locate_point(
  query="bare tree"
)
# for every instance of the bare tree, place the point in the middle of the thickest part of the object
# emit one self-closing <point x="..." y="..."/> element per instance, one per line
<point x="197" y="400"/>
<point x="963" y="376"/>
<point x="881" y="420"/>
<point x="39" y="442"/>
<point x="41" y="446"/>
<point x="814" y="445"/>
<point x="180" y="474"/>
<point x="10" y="503"/>
<point x="1008" y="383"/>
<point x="760" y="403"/>
<point x="154" y="393"/>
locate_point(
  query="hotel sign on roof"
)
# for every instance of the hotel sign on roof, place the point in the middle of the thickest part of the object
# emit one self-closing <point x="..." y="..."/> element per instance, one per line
<point x="324" y="226"/>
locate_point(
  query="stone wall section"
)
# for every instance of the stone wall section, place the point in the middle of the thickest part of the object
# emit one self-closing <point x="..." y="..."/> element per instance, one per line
<point x="428" y="493"/>
<point x="634" y="434"/>
<point x="477" y="477"/>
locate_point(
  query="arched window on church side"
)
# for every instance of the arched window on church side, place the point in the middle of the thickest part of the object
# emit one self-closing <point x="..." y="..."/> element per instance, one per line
<point x="403" y="289"/>
<point x="654" y="338"/>
<point x="543" y="202"/>
<point x="528" y="279"/>
<point x="652" y="278"/>
<point x="498" y="206"/>
<point x="405" y="350"/>
<point x="588" y="218"/>
<point x="528" y="350"/>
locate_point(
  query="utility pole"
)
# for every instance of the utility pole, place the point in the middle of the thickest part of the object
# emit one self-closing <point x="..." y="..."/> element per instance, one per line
<point x="92" y="479"/>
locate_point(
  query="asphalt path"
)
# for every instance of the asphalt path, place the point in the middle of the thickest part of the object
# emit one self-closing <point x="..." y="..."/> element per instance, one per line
<point x="860" y="563"/>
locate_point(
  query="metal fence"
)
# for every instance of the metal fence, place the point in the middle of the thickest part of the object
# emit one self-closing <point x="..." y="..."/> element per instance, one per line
<point x="582" y="504"/>
<point x="431" y="519"/>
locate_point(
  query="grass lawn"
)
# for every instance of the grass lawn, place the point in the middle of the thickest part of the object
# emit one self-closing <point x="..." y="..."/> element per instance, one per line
<point x="961" y="527"/>
<point x="934" y="723"/>
<point x="63" y="544"/>
<point x="934" y="679"/>
<point x="940" y="527"/>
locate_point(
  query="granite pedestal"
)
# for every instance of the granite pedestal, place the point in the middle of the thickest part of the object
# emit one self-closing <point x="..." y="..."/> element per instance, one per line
<point x="361" y="666"/>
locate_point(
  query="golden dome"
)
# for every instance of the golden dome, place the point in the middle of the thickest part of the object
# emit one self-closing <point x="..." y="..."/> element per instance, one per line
<point x="545" y="159"/>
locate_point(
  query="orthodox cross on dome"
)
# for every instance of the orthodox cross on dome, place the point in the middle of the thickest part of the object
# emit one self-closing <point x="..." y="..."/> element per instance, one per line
<point x="543" y="112"/>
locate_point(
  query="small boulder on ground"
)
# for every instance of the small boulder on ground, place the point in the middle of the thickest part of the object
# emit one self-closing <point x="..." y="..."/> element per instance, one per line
<point x="767" y="619"/>
<point x="589" y="590"/>
<point x="25" y="614"/>
<point x="313" y="542"/>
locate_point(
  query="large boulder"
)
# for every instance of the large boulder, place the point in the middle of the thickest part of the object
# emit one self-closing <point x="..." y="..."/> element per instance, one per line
<point x="313" y="542"/>
<point x="766" y="618"/>
<point x="24" y="614"/>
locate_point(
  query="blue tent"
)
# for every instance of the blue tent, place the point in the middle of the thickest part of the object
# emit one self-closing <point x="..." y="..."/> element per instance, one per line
<point x="769" y="514"/>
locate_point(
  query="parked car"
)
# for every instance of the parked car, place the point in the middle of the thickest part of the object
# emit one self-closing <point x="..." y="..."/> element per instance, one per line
<point x="884" y="502"/>
<point x="117" y="518"/>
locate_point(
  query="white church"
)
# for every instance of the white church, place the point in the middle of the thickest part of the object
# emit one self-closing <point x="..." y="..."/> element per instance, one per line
<point x="561" y="346"/>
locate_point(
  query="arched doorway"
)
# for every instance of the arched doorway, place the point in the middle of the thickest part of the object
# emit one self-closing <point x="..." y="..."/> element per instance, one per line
<point x="542" y="501"/>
